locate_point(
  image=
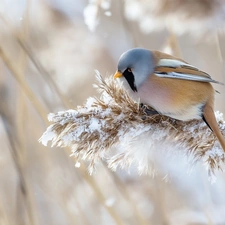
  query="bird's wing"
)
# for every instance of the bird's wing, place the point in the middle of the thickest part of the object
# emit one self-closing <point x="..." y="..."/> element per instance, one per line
<point x="174" y="68"/>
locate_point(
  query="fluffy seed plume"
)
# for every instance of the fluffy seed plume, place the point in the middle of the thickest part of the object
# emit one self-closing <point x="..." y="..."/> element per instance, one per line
<point x="119" y="131"/>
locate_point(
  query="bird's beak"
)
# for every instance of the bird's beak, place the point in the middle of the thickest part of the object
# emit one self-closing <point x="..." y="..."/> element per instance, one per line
<point x="118" y="74"/>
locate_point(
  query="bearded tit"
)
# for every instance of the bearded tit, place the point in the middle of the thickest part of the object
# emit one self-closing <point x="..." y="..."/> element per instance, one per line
<point x="170" y="85"/>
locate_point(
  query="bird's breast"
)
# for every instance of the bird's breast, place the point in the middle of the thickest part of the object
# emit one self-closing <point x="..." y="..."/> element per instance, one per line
<point x="181" y="100"/>
<point x="156" y="96"/>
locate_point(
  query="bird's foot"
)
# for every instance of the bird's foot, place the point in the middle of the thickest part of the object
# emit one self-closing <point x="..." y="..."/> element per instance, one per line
<point x="148" y="110"/>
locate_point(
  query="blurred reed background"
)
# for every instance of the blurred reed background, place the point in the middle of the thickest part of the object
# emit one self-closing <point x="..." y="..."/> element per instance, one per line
<point x="49" y="50"/>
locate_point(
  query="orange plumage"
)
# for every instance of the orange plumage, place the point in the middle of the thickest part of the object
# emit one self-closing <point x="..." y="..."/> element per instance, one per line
<point x="171" y="86"/>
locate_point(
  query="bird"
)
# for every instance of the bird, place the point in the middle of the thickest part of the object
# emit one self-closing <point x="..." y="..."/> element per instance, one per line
<point x="170" y="85"/>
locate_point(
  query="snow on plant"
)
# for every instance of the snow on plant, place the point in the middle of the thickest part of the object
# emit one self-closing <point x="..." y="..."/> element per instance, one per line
<point x="122" y="132"/>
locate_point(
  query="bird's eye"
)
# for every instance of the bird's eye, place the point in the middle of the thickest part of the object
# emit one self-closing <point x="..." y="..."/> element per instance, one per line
<point x="129" y="70"/>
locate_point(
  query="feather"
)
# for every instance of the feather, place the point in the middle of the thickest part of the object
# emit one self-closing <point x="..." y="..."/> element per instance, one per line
<point x="174" y="63"/>
<point x="184" y="76"/>
<point x="174" y="68"/>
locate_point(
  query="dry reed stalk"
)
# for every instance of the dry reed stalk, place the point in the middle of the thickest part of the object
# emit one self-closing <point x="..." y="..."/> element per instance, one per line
<point x="22" y="82"/>
<point x="21" y="115"/>
<point x="3" y="217"/>
<point x="15" y="129"/>
<point x="41" y="110"/>
<point x="195" y="17"/>
<point x="115" y="121"/>
<point x="100" y="197"/>
<point x="122" y="188"/>
<point x="43" y="72"/>
<point x="8" y="122"/>
<point x="173" y="43"/>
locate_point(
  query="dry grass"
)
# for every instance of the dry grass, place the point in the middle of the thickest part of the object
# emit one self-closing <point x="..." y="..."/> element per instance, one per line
<point x="92" y="130"/>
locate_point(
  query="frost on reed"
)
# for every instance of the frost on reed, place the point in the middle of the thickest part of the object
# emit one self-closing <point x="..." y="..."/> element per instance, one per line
<point x="119" y="131"/>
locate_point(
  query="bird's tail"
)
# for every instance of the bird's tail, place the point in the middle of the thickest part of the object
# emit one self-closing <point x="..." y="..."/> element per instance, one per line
<point x="210" y="119"/>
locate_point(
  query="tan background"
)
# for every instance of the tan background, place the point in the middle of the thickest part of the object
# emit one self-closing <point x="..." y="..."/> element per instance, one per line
<point x="48" y="58"/>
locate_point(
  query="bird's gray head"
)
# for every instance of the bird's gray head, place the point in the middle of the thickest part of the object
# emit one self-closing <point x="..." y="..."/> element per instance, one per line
<point x="135" y="65"/>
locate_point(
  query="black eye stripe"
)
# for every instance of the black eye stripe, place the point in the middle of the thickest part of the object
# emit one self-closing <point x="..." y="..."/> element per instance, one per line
<point x="130" y="79"/>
